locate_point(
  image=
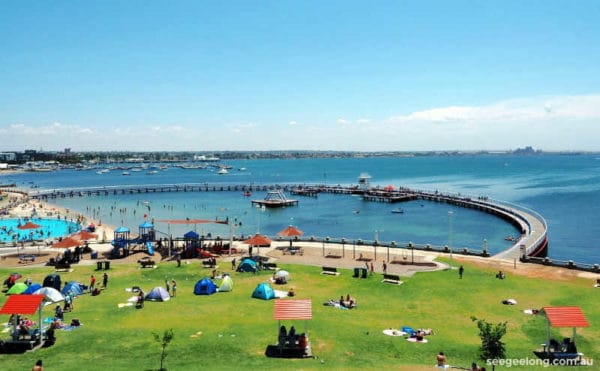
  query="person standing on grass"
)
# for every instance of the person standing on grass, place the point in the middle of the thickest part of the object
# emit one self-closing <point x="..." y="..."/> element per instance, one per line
<point x="38" y="366"/>
<point x="461" y="270"/>
<point x="174" y="288"/>
<point x="105" y="280"/>
<point x="92" y="283"/>
<point x="167" y="286"/>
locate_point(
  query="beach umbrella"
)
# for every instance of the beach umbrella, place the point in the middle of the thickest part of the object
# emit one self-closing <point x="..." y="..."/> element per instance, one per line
<point x="291" y="232"/>
<point x="85" y="235"/>
<point x="17" y="288"/>
<point x="258" y="240"/>
<point x="283" y="274"/>
<point x="29" y="225"/>
<point x="67" y="243"/>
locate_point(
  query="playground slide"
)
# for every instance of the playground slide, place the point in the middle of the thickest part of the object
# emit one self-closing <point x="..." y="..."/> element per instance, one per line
<point x="150" y="248"/>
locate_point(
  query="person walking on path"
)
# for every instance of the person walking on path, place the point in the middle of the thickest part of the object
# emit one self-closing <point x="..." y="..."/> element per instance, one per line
<point x="372" y="268"/>
<point x="92" y="283"/>
<point x="178" y="260"/>
<point x="384" y="267"/>
<point x="461" y="270"/>
<point x="105" y="280"/>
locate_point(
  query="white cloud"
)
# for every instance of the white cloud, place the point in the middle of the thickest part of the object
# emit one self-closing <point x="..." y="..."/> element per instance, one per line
<point x="549" y="123"/>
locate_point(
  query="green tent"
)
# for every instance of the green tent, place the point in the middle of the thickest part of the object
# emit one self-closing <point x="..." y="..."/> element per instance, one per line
<point x="18" y="288"/>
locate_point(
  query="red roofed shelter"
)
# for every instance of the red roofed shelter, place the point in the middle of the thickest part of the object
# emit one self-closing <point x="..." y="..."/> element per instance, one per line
<point x="564" y="317"/>
<point x="23" y="304"/>
<point x="298" y="345"/>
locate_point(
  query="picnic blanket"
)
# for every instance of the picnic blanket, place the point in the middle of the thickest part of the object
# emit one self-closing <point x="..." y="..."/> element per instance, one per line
<point x="393" y="332"/>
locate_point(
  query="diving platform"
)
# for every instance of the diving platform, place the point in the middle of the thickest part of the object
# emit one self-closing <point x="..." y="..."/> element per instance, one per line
<point x="275" y="198"/>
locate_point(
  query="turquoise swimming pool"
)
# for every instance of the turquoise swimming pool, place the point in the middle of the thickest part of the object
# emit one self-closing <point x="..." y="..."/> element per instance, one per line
<point x="47" y="228"/>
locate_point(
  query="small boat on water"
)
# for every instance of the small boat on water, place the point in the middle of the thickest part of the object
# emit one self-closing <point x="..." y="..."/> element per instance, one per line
<point x="247" y="193"/>
<point x="126" y="173"/>
<point x="398" y="211"/>
<point x="223" y="171"/>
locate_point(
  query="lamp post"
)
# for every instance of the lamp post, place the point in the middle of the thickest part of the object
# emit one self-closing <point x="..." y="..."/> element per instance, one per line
<point x="450" y="214"/>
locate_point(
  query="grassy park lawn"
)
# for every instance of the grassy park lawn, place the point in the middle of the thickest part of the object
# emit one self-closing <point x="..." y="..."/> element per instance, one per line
<point x="232" y="330"/>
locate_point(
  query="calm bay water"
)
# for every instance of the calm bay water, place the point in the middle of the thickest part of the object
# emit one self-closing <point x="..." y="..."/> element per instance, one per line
<point x="564" y="189"/>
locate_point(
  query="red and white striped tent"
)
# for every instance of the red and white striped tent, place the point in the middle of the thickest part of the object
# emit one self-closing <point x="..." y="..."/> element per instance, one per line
<point x="293" y="309"/>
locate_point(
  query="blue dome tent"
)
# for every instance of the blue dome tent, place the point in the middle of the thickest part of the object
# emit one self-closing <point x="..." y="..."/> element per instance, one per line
<point x="205" y="287"/>
<point x="263" y="291"/>
<point x="247" y="265"/>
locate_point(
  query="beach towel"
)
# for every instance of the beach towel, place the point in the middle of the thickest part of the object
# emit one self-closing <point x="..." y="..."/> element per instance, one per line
<point x="414" y="340"/>
<point x="280" y="294"/>
<point x="393" y="332"/>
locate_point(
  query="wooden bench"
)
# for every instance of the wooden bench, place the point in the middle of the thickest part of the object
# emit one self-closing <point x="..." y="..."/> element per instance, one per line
<point x="146" y="263"/>
<point x="270" y="266"/>
<point x="62" y="267"/>
<point x="208" y="264"/>
<point x="392" y="278"/>
<point x="24" y="259"/>
<point x="330" y="270"/>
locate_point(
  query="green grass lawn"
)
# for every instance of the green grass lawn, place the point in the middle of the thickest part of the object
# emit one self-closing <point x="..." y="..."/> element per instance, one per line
<point x="236" y="329"/>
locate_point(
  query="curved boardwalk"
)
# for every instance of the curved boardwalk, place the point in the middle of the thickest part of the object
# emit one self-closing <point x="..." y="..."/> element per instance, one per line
<point x="533" y="229"/>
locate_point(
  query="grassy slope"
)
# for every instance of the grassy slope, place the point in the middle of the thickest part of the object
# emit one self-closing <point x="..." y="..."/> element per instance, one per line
<point x="236" y="328"/>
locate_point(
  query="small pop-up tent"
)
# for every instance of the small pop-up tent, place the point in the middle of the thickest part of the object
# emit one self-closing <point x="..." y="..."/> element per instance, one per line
<point x="50" y="295"/>
<point x="52" y="280"/>
<point x="263" y="291"/>
<point x="74" y="287"/>
<point x="18" y="288"/>
<point x="205" y="287"/>
<point x="226" y="284"/>
<point x="247" y="265"/>
<point x="32" y="288"/>
<point x="158" y="294"/>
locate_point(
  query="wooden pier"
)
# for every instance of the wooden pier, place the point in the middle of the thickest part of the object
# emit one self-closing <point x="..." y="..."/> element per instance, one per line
<point x="533" y="240"/>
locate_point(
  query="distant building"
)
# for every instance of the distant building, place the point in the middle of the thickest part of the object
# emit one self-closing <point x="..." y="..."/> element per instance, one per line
<point x="8" y="156"/>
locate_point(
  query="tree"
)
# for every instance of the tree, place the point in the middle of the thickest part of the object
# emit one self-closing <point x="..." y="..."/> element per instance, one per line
<point x="164" y="342"/>
<point x="491" y="334"/>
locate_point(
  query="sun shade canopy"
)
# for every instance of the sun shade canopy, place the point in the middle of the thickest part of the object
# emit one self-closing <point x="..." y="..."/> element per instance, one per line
<point x="293" y="309"/>
<point x="22" y="304"/>
<point x="194" y="221"/>
<point x="565" y="317"/>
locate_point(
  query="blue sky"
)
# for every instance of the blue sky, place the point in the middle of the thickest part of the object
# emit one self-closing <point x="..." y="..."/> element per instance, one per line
<point x="336" y="75"/>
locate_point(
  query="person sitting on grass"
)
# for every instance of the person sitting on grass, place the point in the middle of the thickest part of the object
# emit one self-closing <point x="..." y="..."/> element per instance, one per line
<point x="58" y="314"/>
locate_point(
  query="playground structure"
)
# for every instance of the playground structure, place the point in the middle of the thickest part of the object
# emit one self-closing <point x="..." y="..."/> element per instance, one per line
<point x="192" y="244"/>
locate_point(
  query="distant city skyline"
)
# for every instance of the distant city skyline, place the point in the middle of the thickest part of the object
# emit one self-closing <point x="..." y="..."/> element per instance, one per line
<point x="300" y="75"/>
